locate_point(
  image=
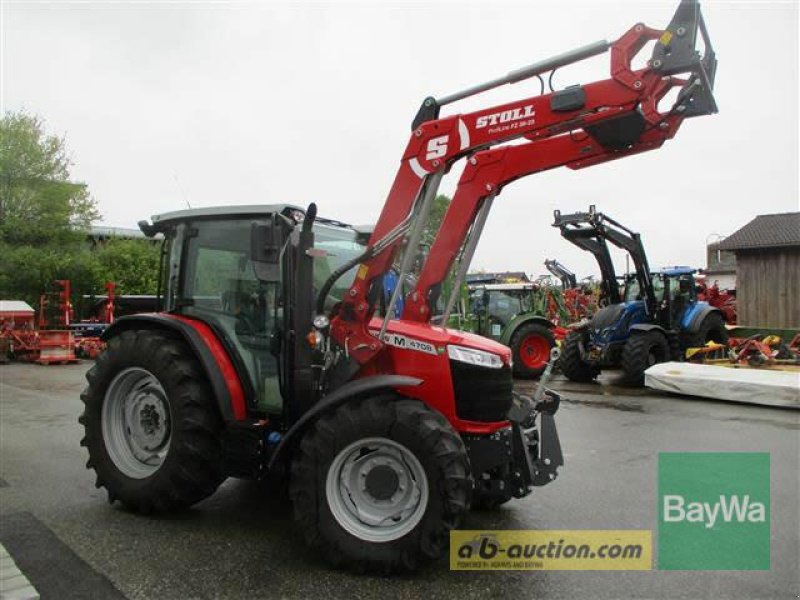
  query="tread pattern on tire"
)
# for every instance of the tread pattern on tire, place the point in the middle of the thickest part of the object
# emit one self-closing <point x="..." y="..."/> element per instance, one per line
<point x="192" y="469"/>
<point x="712" y="328"/>
<point x="571" y="363"/>
<point x="409" y="422"/>
<point x="636" y="351"/>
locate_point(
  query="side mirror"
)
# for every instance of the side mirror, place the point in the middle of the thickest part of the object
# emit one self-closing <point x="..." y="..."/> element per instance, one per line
<point x="266" y="243"/>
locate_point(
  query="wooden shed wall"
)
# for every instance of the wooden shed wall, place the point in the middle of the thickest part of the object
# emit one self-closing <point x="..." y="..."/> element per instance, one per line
<point x="768" y="287"/>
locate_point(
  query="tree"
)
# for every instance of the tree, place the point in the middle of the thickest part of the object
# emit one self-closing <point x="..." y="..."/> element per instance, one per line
<point x="44" y="218"/>
<point x="438" y="210"/>
<point x="39" y="204"/>
<point x="131" y="264"/>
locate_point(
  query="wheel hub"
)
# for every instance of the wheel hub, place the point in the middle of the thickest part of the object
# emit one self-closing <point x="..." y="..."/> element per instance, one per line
<point x="377" y="489"/>
<point x="136" y="422"/>
<point x="534" y="351"/>
<point x="382" y="482"/>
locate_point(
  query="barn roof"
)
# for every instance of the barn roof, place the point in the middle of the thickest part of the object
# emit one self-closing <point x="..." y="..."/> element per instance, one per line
<point x="766" y="231"/>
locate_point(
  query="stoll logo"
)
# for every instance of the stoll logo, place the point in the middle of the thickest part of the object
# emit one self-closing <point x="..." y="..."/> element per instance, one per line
<point x="714" y="511"/>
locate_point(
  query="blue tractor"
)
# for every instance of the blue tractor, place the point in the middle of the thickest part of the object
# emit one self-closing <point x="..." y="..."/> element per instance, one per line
<point x="652" y="318"/>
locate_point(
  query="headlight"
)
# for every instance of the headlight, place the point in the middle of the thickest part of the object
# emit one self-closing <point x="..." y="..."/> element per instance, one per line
<point x="475" y="357"/>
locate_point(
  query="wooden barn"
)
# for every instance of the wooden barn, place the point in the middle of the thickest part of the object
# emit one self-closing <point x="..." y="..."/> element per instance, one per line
<point x="767" y="253"/>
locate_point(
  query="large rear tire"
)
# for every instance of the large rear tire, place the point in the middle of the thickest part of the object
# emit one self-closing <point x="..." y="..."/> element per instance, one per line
<point x="531" y="345"/>
<point x="712" y="329"/>
<point x="378" y="483"/>
<point x="642" y="351"/>
<point x="151" y="428"/>
<point x="572" y="364"/>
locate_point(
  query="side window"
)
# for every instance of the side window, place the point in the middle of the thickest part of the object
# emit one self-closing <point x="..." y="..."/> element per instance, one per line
<point x="221" y="288"/>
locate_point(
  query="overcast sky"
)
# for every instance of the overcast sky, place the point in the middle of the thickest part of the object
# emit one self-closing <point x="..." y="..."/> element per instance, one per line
<point x="241" y="103"/>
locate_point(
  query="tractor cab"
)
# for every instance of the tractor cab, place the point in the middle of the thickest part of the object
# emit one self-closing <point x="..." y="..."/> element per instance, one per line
<point x="224" y="269"/>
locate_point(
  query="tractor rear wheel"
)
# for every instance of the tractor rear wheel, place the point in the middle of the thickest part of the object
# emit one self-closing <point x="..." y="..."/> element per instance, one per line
<point x="151" y="429"/>
<point x="642" y="351"/>
<point x="378" y="483"/>
<point x="712" y="329"/>
<point x="531" y="345"/>
<point x="571" y="362"/>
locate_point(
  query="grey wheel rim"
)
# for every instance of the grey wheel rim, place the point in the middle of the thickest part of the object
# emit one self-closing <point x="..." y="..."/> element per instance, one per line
<point x="136" y="423"/>
<point x="377" y="489"/>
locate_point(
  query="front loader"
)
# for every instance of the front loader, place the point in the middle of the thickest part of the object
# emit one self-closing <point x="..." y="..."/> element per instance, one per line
<point x="267" y="357"/>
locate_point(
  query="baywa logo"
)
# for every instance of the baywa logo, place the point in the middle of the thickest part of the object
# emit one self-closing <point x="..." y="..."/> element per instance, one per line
<point x="728" y="508"/>
<point x="714" y="511"/>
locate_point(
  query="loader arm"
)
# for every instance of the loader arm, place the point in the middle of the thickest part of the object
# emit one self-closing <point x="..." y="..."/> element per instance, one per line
<point x="485" y="175"/>
<point x="585" y="237"/>
<point x="599" y="228"/>
<point x="567" y="277"/>
<point x="615" y="112"/>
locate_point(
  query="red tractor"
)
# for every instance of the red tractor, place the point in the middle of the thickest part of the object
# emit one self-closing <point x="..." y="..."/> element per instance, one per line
<point x="267" y="356"/>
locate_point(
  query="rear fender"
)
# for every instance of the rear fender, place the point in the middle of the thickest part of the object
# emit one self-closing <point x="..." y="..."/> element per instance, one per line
<point x="217" y="365"/>
<point x="647" y="327"/>
<point x="518" y="322"/>
<point x="695" y="316"/>
<point x="341" y="395"/>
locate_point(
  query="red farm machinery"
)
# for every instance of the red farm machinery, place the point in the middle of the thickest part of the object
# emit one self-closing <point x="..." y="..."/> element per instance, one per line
<point x="268" y="357"/>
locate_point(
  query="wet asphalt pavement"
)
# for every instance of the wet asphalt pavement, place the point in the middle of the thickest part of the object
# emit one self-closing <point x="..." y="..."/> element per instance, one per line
<point x="242" y="543"/>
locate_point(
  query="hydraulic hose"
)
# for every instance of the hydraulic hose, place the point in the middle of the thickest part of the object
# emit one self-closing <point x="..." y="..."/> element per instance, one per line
<point x="326" y="288"/>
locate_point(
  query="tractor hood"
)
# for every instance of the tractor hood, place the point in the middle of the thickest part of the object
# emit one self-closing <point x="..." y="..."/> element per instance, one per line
<point x="433" y="338"/>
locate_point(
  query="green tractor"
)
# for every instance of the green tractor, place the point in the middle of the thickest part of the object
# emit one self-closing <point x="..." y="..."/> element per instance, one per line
<point x="513" y="314"/>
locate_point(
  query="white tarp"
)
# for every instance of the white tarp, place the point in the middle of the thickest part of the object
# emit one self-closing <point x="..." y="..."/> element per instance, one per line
<point x="756" y="386"/>
<point x="15" y="306"/>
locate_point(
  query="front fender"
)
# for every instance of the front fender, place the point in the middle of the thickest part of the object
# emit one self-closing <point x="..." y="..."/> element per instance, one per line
<point x="336" y="398"/>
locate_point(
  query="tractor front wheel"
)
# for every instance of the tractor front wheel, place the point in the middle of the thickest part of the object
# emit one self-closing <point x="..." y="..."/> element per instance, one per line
<point x="378" y="483"/>
<point x="571" y="361"/>
<point x="151" y="429"/>
<point x="531" y="345"/>
<point x="642" y="351"/>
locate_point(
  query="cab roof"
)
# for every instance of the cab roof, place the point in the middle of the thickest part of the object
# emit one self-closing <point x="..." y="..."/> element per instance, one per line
<point x="223" y="211"/>
<point x="160" y="222"/>
<point x="675" y="271"/>
<point x="505" y="286"/>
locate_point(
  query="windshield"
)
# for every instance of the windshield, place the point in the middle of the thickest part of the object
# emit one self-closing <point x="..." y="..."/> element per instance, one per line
<point x="340" y="246"/>
<point x="633" y="291"/>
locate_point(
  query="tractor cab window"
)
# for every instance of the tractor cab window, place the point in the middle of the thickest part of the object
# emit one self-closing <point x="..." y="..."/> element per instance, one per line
<point x="503" y="306"/>
<point x="220" y="286"/>
<point x="339" y="245"/>
<point x="681" y="294"/>
<point x="633" y="291"/>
